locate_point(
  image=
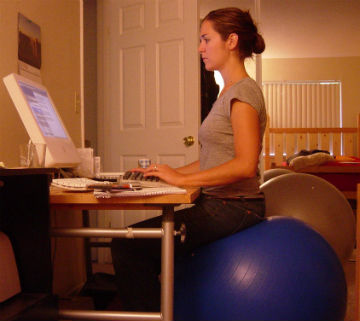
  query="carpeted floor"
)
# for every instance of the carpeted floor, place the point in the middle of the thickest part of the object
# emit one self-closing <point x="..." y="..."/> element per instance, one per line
<point x="349" y="268"/>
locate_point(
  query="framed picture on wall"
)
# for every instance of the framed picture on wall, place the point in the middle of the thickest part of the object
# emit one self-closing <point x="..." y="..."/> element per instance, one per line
<point x="29" y="48"/>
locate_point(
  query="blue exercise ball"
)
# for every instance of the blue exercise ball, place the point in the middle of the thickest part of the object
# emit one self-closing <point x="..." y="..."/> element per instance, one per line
<point x="279" y="269"/>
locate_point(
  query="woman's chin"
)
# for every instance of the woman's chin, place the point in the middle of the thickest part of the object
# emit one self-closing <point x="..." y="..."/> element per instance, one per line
<point x="208" y="67"/>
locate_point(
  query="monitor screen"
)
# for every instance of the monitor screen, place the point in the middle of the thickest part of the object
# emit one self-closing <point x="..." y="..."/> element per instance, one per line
<point x="43" y="111"/>
<point x="42" y="121"/>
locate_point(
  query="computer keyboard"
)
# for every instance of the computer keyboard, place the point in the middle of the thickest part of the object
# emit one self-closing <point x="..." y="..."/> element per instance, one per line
<point x="79" y="183"/>
<point x="138" y="177"/>
<point x="108" y="176"/>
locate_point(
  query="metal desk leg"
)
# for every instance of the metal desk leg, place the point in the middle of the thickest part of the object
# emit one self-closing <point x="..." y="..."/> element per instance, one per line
<point x="167" y="265"/>
<point x="87" y="248"/>
<point x="167" y="235"/>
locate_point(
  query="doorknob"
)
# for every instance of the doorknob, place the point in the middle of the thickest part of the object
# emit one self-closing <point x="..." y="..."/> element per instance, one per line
<point x="189" y="140"/>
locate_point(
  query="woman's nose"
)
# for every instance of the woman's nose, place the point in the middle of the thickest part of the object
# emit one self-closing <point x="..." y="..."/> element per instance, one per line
<point x="201" y="47"/>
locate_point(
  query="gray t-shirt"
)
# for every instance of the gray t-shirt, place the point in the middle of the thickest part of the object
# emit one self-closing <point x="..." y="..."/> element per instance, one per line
<point x="217" y="140"/>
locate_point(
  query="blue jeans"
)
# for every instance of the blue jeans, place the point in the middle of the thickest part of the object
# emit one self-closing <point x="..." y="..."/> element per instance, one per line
<point x="137" y="261"/>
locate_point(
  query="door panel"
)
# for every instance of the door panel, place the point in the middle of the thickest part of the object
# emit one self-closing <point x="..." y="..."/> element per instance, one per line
<point x="151" y="81"/>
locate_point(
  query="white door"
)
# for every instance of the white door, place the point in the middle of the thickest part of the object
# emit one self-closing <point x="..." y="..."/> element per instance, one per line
<point x="151" y="81"/>
<point x="149" y="85"/>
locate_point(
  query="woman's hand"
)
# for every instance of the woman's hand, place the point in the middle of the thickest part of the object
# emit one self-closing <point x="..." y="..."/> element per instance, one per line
<point x="166" y="173"/>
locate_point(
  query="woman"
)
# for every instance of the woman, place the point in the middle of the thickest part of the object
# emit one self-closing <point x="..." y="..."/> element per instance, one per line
<point x="227" y="171"/>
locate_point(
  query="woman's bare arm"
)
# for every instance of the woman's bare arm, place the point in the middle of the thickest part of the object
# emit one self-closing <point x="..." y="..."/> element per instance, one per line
<point x="246" y="128"/>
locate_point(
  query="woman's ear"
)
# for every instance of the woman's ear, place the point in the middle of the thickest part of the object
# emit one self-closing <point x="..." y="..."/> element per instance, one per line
<point x="233" y="41"/>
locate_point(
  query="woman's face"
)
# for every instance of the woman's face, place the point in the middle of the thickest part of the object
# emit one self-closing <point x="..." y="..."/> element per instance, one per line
<point x="212" y="48"/>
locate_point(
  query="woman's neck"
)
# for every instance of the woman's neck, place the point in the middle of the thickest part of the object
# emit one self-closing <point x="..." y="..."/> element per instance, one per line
<point x="230" y="82"/>
<point x="232" y="75"/>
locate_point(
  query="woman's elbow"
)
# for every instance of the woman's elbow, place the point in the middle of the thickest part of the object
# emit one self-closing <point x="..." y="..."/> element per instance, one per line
<point x="248" y="170"/>
<point x="250" y="173"/>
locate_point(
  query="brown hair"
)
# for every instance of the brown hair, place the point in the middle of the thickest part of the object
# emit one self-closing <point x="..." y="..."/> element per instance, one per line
<point x="233" y="20"/>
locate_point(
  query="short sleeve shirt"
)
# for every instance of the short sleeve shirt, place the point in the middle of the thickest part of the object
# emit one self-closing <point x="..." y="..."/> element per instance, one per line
<point x="217" y="139"/>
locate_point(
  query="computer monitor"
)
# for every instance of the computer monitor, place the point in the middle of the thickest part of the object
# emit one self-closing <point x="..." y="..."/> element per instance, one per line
<point x="42" y="121"/>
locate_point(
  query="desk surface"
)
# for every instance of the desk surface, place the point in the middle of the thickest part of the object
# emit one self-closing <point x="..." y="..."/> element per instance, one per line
<point x="338" y="169"/>
<point x="86" y="200"/>
<point x="351" y="168"/>
<point x="344" y="176"/>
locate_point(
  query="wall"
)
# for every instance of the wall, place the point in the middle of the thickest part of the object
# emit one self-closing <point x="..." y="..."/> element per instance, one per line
<point x="90" y="72"/>
<point x="60" y="40"/>
<point x="344" y="69"/>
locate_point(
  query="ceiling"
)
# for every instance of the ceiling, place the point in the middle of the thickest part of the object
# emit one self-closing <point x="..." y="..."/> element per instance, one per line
<point x="303" y="28"/>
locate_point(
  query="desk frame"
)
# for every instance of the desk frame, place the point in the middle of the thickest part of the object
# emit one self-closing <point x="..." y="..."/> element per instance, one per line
<point x="87" y="201"/>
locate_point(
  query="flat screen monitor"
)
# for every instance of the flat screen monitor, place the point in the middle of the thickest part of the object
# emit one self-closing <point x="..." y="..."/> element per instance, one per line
<point x="42" y="121"/>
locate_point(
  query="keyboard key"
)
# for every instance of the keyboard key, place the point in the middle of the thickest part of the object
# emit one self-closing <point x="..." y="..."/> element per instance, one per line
<point x="149" y="181"/>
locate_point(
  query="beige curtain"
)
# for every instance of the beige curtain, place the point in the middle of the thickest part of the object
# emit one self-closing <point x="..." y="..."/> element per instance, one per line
<point x="303" y="104"/>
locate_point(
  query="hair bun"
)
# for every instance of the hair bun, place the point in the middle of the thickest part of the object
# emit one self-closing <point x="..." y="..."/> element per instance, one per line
<point x="234" y="20"/>
<point x="259" y="46"/>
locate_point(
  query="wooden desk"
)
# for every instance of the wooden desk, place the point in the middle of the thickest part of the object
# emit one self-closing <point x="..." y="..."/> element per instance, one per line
<point x="345" y="177"/>
<point x="166" y="203"/>
<point x="349" y="168"/>
<point x="69" y="200"/>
